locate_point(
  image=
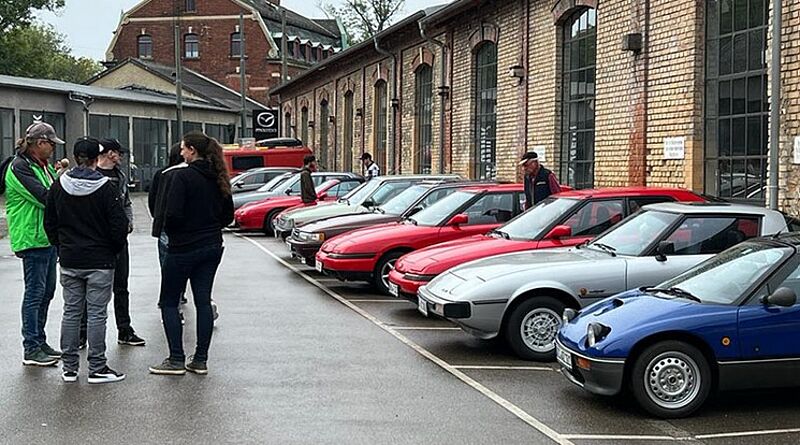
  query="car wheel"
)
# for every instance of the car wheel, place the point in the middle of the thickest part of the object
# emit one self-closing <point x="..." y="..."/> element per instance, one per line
<point x="671" y="379"/>
<point x="269" y="228"/>
<point x="380" y="277"/>
<point x="532" y="328"/>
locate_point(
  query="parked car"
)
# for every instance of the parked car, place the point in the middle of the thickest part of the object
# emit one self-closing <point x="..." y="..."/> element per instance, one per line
<point x="730" y="323"/>
<point x="289" y="187"/>
<point x="259" y="215"/>
<point x="369" y="254"/>
<point x="370" y="195"/>
<point x="255" y="178"/>
<point x="522" y="296"/>
<point x="566" y="219"/>
<point x="305" y="241"/>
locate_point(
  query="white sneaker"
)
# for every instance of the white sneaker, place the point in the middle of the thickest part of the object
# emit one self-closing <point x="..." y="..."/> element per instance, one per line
<point x="69" y="376"/>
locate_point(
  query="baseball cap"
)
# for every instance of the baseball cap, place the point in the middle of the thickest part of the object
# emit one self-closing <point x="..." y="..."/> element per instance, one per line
<point x="529" y="156"/>
<point x="42" y="130"/>
<point x="87" y="147"/>
<point x="111" y="145"/>
<point x="366" y="156"/>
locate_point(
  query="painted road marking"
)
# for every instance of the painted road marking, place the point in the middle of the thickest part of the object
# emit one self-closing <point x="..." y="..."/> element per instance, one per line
<point x="377" y="301"/>
<point x="504" y="368"/>
<point x="613" y="437"/>
<point x="425" y="328"/>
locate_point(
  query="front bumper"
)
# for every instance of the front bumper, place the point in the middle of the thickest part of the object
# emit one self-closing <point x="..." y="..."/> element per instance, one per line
<point x="303" y="249"/>
<point x="346" y="269"/>
<point x="249" y="222"/>
<point x="452" y="310"/>
<point x="404" y="285"/>
<point x="598" y="376"/>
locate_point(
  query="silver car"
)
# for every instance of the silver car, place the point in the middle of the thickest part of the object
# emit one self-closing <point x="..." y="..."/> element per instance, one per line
<point x="288" y="186"/>
<point x="522" y="296"/>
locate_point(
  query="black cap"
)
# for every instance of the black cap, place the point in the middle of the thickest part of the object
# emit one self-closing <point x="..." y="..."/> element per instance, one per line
<point x="529" y="156"/>
<point x="309" y="159"/>
<point x="111" y="145"/>
<point x="87" y="148"/>
<point x="366" y="156"/>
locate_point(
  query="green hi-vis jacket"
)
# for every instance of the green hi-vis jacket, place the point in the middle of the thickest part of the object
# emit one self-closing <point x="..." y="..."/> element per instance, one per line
<point x="27" y="183"/>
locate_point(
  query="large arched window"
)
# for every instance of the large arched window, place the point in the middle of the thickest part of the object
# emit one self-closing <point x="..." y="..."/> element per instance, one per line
<point x="304" y="125"/>
<point x="577" y="119"/>
<point x="145" y="47"/>
<point x="381" y="117"/>
<point x="191" y="46"/>
<point x="423" y="111"/>
<point x="486" y="111"/>
<point x="737" y="105"/>
<point x="347" y="161"/>
<point x="324" y="117"/>
<point x="287" y="125"/>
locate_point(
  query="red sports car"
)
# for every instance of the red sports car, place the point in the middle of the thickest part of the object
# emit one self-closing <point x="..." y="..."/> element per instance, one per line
<point x="258" y="215"/>
<point x="369" y="254"/>
<point x="566" y="219"/>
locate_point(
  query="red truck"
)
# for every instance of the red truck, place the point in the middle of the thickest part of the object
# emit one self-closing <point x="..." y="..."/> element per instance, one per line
<point x="285" y="152"/>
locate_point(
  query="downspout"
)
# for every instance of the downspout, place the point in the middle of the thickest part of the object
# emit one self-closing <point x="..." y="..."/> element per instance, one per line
<point x="395" y="104"/>
<point x="444" y="92"/>
<point x="85" y="101"/>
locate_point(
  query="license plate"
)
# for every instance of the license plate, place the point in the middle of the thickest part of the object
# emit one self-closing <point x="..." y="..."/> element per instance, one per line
<point x="564" y="357"/>
<point x="318" y="266"/>
<point x="393" y="289"/>
<point x="422" y="305"/>
<point x="302" y="260"/>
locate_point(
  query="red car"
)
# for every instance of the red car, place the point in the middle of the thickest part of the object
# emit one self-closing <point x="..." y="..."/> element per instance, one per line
<point x="369" y="254"/>
<point x="253" y="216"/>
<point x="565" y="219"/>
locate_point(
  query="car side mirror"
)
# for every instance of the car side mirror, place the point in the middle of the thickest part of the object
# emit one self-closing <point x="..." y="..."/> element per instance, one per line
<point x="664" y="249"/>
<point x="458" y="220"/>
<point x="239" y="184"/>
<point x="369" y="203"/>
<point x="783" y="297"/>
<point x="415" y="210"/>
<point x="288" y="192"/>
<point x="322" y="195"/>
<point x="559" y="232"/>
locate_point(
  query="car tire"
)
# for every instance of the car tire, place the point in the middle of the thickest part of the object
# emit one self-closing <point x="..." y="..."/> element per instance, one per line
<point x="685" y="381"/>
<point x="380" y="276"/>
<point x="269" y="228"/>
<point x="532" y="328"/>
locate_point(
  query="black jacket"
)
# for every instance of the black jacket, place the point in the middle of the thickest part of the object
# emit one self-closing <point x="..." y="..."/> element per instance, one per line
<point x="85" y="219"/>
<point x="195" y="209"/>
<point x="307" y="192"/>
<point x="120" y="181"/>
<point x="157" y="197"/>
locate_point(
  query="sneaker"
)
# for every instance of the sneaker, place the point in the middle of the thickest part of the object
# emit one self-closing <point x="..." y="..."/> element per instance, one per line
<point x="130" y="339"/>
<point x="106" y="375"/>
<point x="50" y="351"/>
<point x="69" y="376"/>
<point x="214" y="310"/>
<point x="39" y="358"/>
<point x="197" y="367"/>
<point x="167" y="367"/>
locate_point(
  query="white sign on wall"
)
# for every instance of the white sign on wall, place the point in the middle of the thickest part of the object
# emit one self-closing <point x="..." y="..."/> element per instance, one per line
<point x="796" y="152"/>
<point x="675" y="148"/>
<point x="540" y="150"/>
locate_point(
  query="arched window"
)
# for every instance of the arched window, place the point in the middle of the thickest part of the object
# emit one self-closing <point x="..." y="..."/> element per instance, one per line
<point x="347" y="162"/>
<point x="145" y="47"/>
<point x="236" y="44"/>
<point x="486" y="111"/>
<point x="324" y="117"/>
<point x="191" y="45"/>
<point x="577" y="121"/>
<point x="287" y="125"/>
<point x="304" y="125"/>
<point x="381" y="117"/>
<point x="423" y="112"/>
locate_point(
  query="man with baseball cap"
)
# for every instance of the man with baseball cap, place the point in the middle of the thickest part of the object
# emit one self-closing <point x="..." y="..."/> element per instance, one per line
<point x="27" y="181"/>
<point x="539" y="181"/>
<point x="84" y="217"/>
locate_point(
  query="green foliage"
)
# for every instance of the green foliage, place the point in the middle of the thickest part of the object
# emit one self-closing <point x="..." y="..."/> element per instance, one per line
<point x="18" y="13"/>
<point x="363" y="18"/>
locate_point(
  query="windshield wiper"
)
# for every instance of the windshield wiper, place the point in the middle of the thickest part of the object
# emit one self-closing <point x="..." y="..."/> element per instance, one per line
<point x="676" y="292"/>
<point x="412" y="221"/>
<point x="502" y="234"/>
<point x="583" y="244"/>
<point x="606" y="248"/>
<point x="379" y="210"/>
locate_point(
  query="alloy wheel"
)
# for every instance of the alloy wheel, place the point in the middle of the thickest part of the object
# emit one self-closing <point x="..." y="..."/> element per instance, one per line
<point x="539" y="329"/>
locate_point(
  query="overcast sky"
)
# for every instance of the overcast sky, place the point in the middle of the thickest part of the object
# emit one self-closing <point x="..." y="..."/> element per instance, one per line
<point x="89" y="24"/>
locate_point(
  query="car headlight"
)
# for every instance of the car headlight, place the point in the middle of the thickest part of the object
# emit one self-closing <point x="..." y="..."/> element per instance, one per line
<point x="312" y="236"/>
<point x="596" y="332"/>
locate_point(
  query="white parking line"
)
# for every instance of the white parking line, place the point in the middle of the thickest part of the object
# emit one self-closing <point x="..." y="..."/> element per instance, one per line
<point x="510" y="407"/>
<point x="425" y="328"/>
<point x="747" y="433"/>
<point x="615" y="437"/>
<point x="378" y="301"/>
<point x="504" y="368"/>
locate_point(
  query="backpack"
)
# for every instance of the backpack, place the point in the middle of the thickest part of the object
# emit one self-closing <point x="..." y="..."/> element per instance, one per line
<point x="4" y="166"/>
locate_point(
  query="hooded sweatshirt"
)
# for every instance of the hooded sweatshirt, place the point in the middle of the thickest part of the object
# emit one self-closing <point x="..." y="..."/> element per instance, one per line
<point x="195" y="210"/>
<point x="85" y="219"/>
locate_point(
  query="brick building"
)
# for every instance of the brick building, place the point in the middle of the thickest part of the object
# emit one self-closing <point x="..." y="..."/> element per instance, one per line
<point x="210" y="39"/>
<point x="610" y="92"/>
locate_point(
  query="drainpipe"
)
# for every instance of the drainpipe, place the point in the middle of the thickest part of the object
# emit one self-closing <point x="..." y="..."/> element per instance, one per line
<point x="85" y="101"/>
<point x="775" y="106"/>
<point x="444" y="92"/>
<point x="395" y="104"/>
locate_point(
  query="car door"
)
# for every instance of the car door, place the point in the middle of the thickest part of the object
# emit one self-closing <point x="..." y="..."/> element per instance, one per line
<point x="592" y="219"/>
<point x="696" y="238"/>
<point x="253" y="182"/>
<point x="486" y="213"/>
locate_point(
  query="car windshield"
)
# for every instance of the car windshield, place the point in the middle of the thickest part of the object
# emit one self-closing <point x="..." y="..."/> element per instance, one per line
<point x="438" y="211"/>
<point x="275" y="182"/>
<point x="357" y="196"/>
<point x="326" y="185"/>
<point x="403" y="200"/>
<point x="634" y="235"/>
<point x="725" y="278"/>
<point x="532" y="224"/>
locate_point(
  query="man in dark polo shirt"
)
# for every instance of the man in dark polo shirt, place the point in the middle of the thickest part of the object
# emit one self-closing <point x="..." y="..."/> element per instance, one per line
<point x="539" y="181"/>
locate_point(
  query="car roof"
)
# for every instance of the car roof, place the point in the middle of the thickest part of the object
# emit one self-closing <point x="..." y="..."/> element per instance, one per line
<point x="615" y="192"/>
<point x="417" y="177"/>
<point x="268" y="169"/>
<point x="494" y="188"/>
<point x="710" y="207"/>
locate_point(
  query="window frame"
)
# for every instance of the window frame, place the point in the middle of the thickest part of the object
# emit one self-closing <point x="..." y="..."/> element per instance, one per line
<point x="349" y="131"/>
<point x="324" y="131"/>
<point x="236" y="42"/>
<point x="485" y="136"/>
<point x="148" y="44"/>
<point x="381" y="126"/>
<point x="195" y="45"/>
<point x="190" y="6"/>
<point x="423" y="119"/>
<point x="304" y="125"/>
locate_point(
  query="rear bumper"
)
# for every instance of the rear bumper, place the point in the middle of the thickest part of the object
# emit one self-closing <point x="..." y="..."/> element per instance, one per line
<point x="347" y="269"/>
<point x="598" y="376"/>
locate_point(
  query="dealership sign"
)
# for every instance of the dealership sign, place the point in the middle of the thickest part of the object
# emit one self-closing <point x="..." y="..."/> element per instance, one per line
<point x="266" y="124"/>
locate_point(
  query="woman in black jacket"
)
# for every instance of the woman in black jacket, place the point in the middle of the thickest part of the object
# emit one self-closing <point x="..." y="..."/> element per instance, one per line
<point x="197" y="206"/>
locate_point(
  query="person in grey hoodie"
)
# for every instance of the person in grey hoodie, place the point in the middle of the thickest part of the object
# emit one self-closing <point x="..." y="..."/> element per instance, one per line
<point x="85" y="220"/>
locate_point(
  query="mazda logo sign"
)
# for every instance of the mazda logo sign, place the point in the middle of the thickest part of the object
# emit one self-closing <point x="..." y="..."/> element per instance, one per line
<point x="266" y="120"/>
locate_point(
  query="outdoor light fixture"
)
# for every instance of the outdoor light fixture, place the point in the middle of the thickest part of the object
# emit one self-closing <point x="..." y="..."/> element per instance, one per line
<point x="632" y="42"/>
<point x="517" y="71"/>
<point x="359" y="112"/>
<point x="310" y="124"/>
<point x="332" y="119"/>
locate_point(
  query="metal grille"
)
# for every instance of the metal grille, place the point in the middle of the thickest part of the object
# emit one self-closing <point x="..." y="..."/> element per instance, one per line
<point x="486" y="112"/>
<point x="380" y="123"/>
<point x="347" y="162"/>
<point x="424" y="116"/>
<point x="577" y="120"/>
<point x="737" y="105"/>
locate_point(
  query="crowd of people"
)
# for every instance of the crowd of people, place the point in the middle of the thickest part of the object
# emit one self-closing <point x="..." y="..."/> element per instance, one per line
<point x="81" y="215"/>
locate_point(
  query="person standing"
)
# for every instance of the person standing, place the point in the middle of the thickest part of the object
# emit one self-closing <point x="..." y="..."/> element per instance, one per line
<point x="198" y="206"/>
<point x="539" y="181"/>
<point x="307" y="192"/>
<point x="373" y="170"/>
<point x="27" y="181"/>
<point x="84" y="218"/>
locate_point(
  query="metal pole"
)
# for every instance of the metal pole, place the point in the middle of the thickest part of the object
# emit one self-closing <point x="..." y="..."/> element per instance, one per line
<point x="284" y="46"/>
<point x="775" y="106"/>
<point x="243" y="78"/>
<point x="178" y="82"/>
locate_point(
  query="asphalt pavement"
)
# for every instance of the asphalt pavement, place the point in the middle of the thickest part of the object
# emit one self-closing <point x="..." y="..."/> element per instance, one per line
<point x="301" y="358"/>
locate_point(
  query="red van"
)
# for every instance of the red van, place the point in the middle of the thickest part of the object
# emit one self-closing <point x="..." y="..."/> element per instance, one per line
<point x="266" y="153"/>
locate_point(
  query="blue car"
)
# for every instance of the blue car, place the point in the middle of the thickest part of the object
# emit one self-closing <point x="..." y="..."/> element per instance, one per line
<point x="731" y="322"/>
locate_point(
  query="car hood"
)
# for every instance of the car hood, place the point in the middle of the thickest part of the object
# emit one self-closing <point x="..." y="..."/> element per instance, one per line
<point x="323" y="210"/>
<point x="274" y="201"/>
<point x="371" y="239"/>
<point x="344" y="223"/>
<point x="494" y="267"/>
<point x="436" y="259"/>
<point x="246" y="197"/>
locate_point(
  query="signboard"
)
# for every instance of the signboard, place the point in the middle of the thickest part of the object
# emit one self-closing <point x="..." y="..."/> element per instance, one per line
<point x="675" y="148"/>
<point x="796" y="152"/>
<point x="540" y="150"/>
<point x="266" y="124"/>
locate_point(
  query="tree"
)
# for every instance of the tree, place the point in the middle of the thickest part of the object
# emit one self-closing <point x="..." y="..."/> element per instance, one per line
<point x="18" y="13"/>
<point x="39" y="51"/>
<point x="363" y="18"/>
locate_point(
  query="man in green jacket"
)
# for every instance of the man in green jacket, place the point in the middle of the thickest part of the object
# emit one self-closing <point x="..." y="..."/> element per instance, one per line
<point x="27" y="180"/>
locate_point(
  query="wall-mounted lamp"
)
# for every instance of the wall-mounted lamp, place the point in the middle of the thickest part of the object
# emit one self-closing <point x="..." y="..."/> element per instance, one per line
<point x="444" y="91"/>
<point x="359" y="112"/>
<point x="395" y="103"/>
<point x="332" y="119"/>
<point x="632" y="42"/>
<point x="517" y="72"/>
<point x="310" y="124"/>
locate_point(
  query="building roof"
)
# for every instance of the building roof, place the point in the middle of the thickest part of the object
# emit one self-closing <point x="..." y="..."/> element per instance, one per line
<point x="318" y="31"/>
<point x="124" y="95"/>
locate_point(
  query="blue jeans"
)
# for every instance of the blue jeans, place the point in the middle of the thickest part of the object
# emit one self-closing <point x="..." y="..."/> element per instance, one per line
<point x="39" y="269"/>
<point x="199" y="267"/>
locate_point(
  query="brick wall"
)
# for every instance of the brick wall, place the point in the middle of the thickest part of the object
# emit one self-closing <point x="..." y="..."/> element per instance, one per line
<point x="789" y="177"/>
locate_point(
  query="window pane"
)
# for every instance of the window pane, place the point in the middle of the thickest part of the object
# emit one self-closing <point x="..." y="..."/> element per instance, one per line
<point x="724" y="98"/>
<point x="595" y="217"/>
<point x="711" y="235"/>
<point x="724" y="137"/>
<point x="740" y="53"/>
<point x="739" y="15"/>
<point x="725" y="55"/>
<point x="756" y="55"/>
<point x="739" y="105"/>
<point x="754" y="94"/>
<point x="757" y="13"/>
<point x="738" y="139"/>
<point x="725" y="16"/>
<point x="754" y="143"/>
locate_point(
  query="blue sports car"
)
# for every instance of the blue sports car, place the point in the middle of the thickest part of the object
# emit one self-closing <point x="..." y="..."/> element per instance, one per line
<point x="731" y="322"/>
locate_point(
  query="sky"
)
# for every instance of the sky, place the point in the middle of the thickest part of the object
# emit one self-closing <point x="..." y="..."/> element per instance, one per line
<point x="88" y="24"/>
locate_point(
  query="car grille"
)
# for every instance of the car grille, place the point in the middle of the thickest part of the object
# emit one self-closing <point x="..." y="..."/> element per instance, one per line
<point x="296" y="234"/>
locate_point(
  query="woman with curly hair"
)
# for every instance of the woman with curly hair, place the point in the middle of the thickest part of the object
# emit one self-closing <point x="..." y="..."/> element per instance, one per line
<point x="198" y="206"/>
